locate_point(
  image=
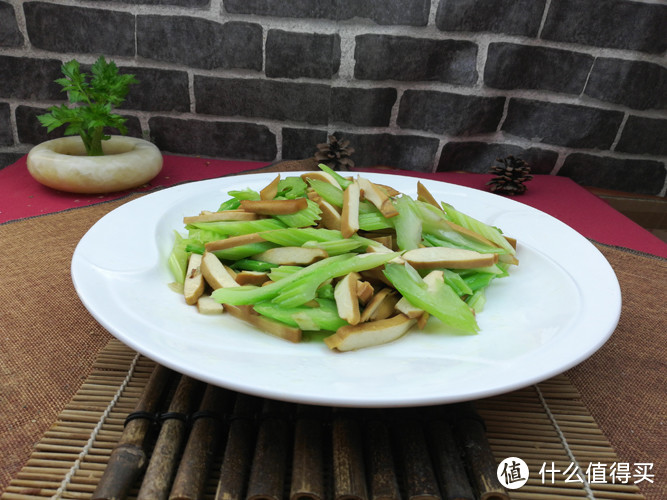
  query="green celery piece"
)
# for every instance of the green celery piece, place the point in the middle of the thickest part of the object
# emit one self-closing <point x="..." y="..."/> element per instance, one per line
<point x="407" y="223"/>
<point x="230" y="204"/>
<point x="456" y="282"/>
<point x="243" y="251"/>
<point x="373" y="221"/>
<point x="237" y="228"/>
<point x="491" y="233"/>
<point x="342" y="181"/>
<point x="202" y="235"/>
<point x="303" y="289"/>
<point x="325" y="291"/>
<point x="477" y="300"/>
<point x="292" y="187"/>
<point x="253" y="265"/>
<point x="195" y="246"/>
<point x="309" y="216"/>
<point x="246" y="194"/>
<point x="479" y="281"/>
<point x="254" y="295"/>
<point x="327" y="192"/>
<point x="280" y="272"/>
<point x="178" y="258"/>
<point x="297" y="236"/>
<point x="434" y="224"/>
<point x="336" y="247"/>
<point x="443" y="303"/>
<point x="324" y="317"/>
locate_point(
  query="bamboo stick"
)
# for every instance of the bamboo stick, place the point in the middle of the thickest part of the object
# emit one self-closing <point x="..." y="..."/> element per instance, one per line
<point x="308" y="457"/>
<point x="419" y="477"/>
<point x="128" y="458"/>
<point x="454" y="482"/>
<point x="237" y="459"/>
<point x="348" y="460"/>
<point x="267" y="474"/>
<point x="382" y="477"/>
<point x="477" y="453"/>
<point x="160" y="470"/>
<point x="198" y="454"/>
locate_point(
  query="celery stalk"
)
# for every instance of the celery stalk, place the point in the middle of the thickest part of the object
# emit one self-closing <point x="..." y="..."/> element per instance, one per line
<point x="178" y="258"/>
<point x="407" y="223"/>
<point x="442" y="303"/>
<point x="491" y="233"/>
<point x="324" y="317"/>
<point x="342" y="181"/>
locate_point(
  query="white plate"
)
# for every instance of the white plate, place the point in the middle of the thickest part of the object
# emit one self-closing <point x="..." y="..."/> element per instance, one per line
<point x="555" y="309"/>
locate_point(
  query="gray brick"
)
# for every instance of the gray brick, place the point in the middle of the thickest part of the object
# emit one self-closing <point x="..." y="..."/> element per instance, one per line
<point x="562" y="124"/>
<point x="408" y="152"/>
<point x="243" y="141"/>
<point x="617" y="24"/>
<point x="362" y="107"/>
<point x="636" y="84"/>
<point x="89" y="31"/>
<point x="263" y="99"/>
<point x="385" y="57"/>
<point x="158" y="90"/>
<point x="644" y="136"/>
<point x="31" y="131"/>
<point x="31" y="78"/>
<point x="512" y="17"/>
<point x="387" y="12"/>
<point x="633" y="176"/>
<point x="315" y="9"/>
<point x="200" y="43"/>
<point x="478" y="157"/>
<point x="300" y="143"/>
<point x="512" y="66"/>
<point x="178" y="3"/>
<point x="6" y="137"/>
<point x="10" y="35"/>
<point x="301" y="55"/>
<point x="446" y="113"/>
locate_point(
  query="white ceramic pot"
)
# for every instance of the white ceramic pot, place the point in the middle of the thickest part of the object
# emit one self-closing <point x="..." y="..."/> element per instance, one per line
<point x="62" y="164"/>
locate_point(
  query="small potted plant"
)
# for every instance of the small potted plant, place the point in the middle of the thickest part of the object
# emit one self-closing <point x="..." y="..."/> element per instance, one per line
<point x="91" y="161"/>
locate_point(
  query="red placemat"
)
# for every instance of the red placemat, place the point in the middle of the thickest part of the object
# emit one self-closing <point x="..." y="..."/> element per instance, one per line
<point x="22" y="196"/>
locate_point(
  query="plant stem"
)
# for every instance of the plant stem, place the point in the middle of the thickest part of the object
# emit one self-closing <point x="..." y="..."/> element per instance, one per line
<point x="93" y="142"/>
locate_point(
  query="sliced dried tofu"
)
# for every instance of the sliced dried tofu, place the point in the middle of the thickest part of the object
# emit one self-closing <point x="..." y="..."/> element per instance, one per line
<point x="220" y="216"/>
<point x="365" y="291"/>
<point x="425" y="195"/>
<point x="233" y="241"/>
<point x="194" y="284"/>
<point x="271" y="190"/>
<point x="207" y="305"/>
<point x="349" y="223"/>
<point x="347" y="303"/>
<point x="371" y="333"/>
<point x="256" y="278"/>
<point x="275" y="207"/>
<point x="321" y="176"/>
<point x="451" y="258"/>
<point x="381" y="306"/>
<point x="265" y="324"/>
<point x="377" y="197"/>
<point x="291" y="256"/>
<point x="215" y="273"/>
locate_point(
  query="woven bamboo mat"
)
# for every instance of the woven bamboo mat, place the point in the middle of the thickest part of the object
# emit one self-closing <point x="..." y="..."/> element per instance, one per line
<point x="267" y="450"/>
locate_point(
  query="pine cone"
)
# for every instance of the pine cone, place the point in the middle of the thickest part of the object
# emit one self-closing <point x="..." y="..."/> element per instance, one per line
<point x="511" y="176"/>
<point x="335" y="154"/>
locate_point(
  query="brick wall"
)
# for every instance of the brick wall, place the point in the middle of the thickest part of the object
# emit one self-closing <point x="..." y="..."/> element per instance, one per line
<point x="574" y="87"/>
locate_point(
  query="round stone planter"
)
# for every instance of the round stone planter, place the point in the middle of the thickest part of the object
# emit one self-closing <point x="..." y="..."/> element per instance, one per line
<point x="62" y="164"/>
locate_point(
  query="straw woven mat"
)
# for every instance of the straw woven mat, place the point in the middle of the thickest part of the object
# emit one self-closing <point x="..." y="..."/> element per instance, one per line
<point x="48" y="343"/>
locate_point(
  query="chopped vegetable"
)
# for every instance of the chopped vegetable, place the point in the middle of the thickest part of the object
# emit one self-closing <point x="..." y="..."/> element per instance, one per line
<point x="321" y="252"/>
